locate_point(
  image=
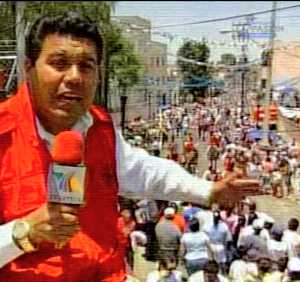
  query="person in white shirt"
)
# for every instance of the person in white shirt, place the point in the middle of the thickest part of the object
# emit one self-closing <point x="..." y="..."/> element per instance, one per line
<point x="209" y="274"/>
<point x="291" y="237"/>
<point x="294" y="266"/>
<point x="277" y="248"/>
<point x="195" y="247"/>
<point x="166" y="272"/>
<point x="248" y="230"/>
<point x="62" y="78"/>
<point x="220" y="238"/>
<point x="239" y="267"/>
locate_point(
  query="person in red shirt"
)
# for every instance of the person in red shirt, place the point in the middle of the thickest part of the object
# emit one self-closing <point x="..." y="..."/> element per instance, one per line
<point x="126" y="225"/>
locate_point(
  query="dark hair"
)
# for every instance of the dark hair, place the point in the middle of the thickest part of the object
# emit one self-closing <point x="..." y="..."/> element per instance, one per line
<point x="68" y="23"/>
<point x="252" y="206"/>
<point x="242" y="217"/>
<point x="282" y="263"/>
<point x="194" y="224"/>
<point x="293" y="224"/>
<point x="211" y="267"/>
<point x="242" y="251"/>
<point x="251" y="218"/>
<point x="167" y="263"/>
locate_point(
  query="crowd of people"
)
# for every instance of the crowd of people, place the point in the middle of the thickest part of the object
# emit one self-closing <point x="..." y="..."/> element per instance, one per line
<point x="203" y="236"/>
<point x="232" y="144"/>
<point x="234" y="242"/>
<point x="46" y="239"/>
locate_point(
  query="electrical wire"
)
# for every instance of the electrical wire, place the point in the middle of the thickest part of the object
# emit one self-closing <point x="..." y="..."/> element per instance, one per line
<point x="227" y="18"/>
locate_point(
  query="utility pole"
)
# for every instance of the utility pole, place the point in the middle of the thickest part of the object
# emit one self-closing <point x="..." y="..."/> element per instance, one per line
<point x="243" y="36"/>
<point x="265" y="140"/>
<point x="243" y="97"/>
<point x="19" y="8"/>
<point x="240" y="32"/>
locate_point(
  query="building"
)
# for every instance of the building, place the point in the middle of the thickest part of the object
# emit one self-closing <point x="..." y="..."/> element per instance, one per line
<point x="150" y="92"/>
<point x="286" y="63"/>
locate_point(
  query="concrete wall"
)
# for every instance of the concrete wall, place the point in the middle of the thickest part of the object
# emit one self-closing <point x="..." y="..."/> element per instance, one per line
<point x="286" y="61"/>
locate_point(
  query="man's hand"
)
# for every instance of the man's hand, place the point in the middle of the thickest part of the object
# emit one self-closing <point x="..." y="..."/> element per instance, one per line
<point x="52" y="222"/>
<point x="232" y="189"/>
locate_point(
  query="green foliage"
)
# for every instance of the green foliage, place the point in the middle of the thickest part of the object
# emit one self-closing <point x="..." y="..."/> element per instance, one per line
<point x="7" y="21"/>
<point x="197" y="51"/>
<point x="122" y="63"/>
<point x="191" y="72"/>
<point x="98" y="11"/>
<point x="228" y="59"/>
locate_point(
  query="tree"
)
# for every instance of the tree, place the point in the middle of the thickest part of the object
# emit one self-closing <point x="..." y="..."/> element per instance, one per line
<point x="195" y="76"/>
<point x="117" y="49"/>
<point x="228" y="59"/>
<point x="124" y="65"/>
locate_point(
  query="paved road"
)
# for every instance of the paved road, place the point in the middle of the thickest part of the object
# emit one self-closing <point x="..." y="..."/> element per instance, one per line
<point x="280" y="209"/>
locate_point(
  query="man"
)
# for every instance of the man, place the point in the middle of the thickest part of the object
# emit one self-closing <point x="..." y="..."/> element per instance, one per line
<point x="255" y="240"/>
<point x="291" y="237"/>
<point x="168" y="235"/>
<point x="221" y="240"/>
<point x="63" y="58"/>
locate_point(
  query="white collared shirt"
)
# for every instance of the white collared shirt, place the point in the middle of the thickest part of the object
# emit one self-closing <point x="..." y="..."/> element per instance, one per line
<point x="139" y="174"/>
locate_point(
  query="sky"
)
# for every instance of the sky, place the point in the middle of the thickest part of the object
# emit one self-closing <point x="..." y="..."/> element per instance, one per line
<point x="162" y="13"/>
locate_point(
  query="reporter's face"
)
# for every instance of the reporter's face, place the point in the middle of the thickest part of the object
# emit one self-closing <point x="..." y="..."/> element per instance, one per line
<point x="64" y="79"/>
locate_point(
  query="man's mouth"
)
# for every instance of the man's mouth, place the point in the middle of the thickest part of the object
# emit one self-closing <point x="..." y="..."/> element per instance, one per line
<point x="70" y="97"/>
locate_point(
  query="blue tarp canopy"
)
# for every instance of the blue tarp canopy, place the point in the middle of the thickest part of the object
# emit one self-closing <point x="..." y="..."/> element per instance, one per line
<point x="202" y="82"/>
<point x="288" y="89"/>
<point x="257" y="134"/>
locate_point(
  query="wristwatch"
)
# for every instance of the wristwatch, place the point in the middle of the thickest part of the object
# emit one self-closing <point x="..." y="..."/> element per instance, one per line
<point x="20" y="236"/>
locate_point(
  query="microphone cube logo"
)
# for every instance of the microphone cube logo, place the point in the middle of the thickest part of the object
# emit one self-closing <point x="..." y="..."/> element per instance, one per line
<point x="66" y="184"/>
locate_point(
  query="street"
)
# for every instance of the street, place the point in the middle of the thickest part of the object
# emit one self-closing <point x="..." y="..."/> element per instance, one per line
<point x="280" y="209"/>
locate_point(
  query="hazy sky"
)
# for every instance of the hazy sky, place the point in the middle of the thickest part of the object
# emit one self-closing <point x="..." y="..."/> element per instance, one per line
<point x="177" y="12"/>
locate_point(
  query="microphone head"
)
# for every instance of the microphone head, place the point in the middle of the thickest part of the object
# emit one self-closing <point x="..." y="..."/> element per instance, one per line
<point x="67" y="148"/>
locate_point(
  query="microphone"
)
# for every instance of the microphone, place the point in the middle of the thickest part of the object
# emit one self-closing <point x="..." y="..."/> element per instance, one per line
<point x="67" y="177"/>
<point x="68" y="148"/>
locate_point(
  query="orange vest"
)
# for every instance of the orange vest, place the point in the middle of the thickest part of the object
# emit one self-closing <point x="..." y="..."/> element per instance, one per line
<point x="273" y="113"/>
<point x="93" y="254"/>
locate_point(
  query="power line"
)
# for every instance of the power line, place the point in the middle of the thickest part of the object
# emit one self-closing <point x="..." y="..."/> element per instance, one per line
<point x="227" y="18"/>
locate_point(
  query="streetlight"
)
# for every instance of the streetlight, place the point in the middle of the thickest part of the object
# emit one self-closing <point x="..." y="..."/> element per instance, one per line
<point x="149" y="105"/>
<point x="123" y="100"/>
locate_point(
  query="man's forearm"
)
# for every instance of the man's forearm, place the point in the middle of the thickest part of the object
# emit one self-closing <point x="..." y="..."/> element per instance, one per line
<point x="8" y="249"/>
<point x="141" y="175"/>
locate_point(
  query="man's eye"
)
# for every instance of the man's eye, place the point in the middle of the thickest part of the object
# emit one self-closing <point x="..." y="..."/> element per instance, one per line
<point x="59" y="64"/>
<point x="87" y="66"/>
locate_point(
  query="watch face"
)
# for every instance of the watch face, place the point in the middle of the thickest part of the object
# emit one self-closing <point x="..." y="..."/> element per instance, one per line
<point x="21" y="229"/>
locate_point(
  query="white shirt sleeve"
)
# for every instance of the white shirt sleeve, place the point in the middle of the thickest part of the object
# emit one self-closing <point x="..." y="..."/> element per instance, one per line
<point x="141" y="175"/>
<point x="8" y="249"/>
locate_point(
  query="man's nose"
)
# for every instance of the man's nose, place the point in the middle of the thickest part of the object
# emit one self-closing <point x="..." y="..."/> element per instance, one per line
<point x="73" y="75"/>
